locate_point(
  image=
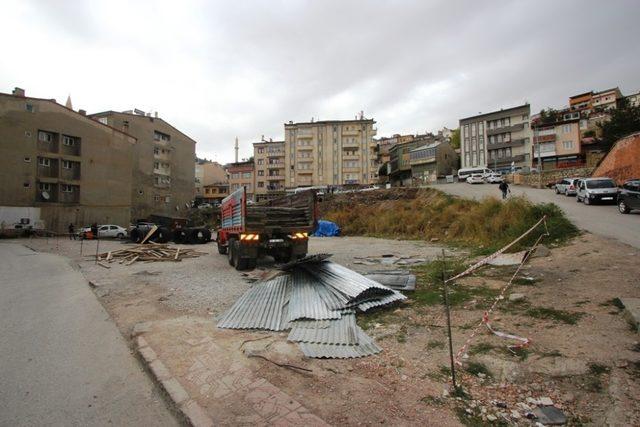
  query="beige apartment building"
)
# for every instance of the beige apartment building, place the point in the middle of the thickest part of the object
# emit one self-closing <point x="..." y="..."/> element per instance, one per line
<point x="207" y="174"/>
<point x="336" y="152"/>
<point x="497" y="140"/>
<point x="241" y="174"/>
<point x="75" y="169"/>
<point x="557" y="143"/>
<point x="164" y="170"/>
<point x="268" y="157"/>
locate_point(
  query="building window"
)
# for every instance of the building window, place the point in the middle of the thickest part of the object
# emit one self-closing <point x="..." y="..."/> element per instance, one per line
<point x="43" y="186"/>
<point x="45" y="136"/>
<point x="67" y="188"/>
<point x="260" y="173"/>
<point x="260" y="150"/>
<point x="260" y="161"/>
<point x="159" y="136"/>
<point x="103" y="120"/>
<point x="260" y="184"/>
<point x="69" y="141"/>
<point x="167" y="199"/>
<point x="466" y="130"/>
<point x="26" y="185"/>
<point x="566" y="128"/>
<point x="156" y="198"/>
<point x="66" y="164"/>
<point x="156" y="150"/>
<point x="27" y="159"/>
<point x="567" y="145"/>
<point x="29" y="108"/>
<point x="156" y="165"/>
<point x="43" y="161"/>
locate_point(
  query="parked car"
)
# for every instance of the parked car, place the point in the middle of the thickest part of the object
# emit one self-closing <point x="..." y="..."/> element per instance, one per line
<point x="591" y="190"/>
<point x="494" y="178"/>
<point x="567" y="186"/>
<point x="629" y="196"/>
<point x="108" y="230"/>
<point x="475" y="178"/>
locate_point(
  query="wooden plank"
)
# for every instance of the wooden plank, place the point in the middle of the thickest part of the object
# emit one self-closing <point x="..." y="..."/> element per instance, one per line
<point x="177" y="253"/>
<point x="149" y="234"/>
<point x="102" y="264"/>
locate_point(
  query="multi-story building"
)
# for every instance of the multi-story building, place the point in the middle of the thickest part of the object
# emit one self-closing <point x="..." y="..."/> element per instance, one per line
<point x="399" y="169"/>
<point x="556" y="142"/>
<point x="76" y="170"/>
<point x="432" y="161"/>
<point x="335" y="152"/>
<point x="633" y="99"/>
<point x="208" y="173"/>
<point x="164" y="170"/>
<point x="214" y="193"/>
<point x="268" y="157"/>
<point x="499" y="140"/>
<point x="241" y="174"/>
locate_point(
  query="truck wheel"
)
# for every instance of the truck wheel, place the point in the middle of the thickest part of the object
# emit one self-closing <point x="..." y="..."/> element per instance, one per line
<point x="282" y="257"/>
<point x="200" y="235"/>
<point x="231" y="250"/>
<point x="222" y="249"/>
<point x="136" y="235"/>
<point x="238" y="262"/>
<point x="162" y="235"/>
<point x="179" y="236"/>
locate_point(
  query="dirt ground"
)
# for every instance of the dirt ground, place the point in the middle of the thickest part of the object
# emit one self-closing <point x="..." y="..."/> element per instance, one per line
<point x="583" y="354"/>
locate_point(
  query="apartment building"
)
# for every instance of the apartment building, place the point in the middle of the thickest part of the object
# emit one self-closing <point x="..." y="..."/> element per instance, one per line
<point x="241" y="174"/>
<point x="498" y="140"/>
<point x="633" y="99"/>
<point x="208" y="173"/>
<point x="335" y="152"/>
<point x="268" y="157"/>
<point x="399" y="170"/>
<point x="432" y="161"/>
<point x="76" y="170"/>
<point x="214" y="193"/>
<point x="164" y="170"/>
<point x="556" y="143"/>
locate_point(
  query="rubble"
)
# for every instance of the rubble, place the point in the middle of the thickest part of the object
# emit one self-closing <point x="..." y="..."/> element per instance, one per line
<point x="150" y="252"/>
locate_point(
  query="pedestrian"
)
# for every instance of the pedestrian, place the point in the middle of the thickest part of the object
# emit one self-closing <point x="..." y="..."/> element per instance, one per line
<point x="72" y="231"/>
<point x="504" y="187"/>
<point x="94" y="230"/>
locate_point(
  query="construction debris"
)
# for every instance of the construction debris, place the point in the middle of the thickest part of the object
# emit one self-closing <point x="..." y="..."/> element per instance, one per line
<point x="317" y="300"/>
<point x="151" y="252"/>
<point x="389" y="259"/>
<point x="400" y="280"/>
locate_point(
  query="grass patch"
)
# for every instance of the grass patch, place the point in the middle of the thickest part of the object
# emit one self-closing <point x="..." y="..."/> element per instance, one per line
<point x="429" y="213"/>
<point x="548" y="313"/>
<point x="481" y="348"/>
<point x="598" y="368"/>
<point x="523" y="281"/>
<point x="476" y="368"/>
<point x="614" y="302"/>
<point x="552" y="353"/>
<point x="581" y="302"/>
<point x="431" y="345"/>
<point x="381" y="316"/>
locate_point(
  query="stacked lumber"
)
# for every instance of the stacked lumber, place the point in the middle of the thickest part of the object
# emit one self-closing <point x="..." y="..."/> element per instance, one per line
<point x="147" y="253"/>
<point x="276" y="216"/>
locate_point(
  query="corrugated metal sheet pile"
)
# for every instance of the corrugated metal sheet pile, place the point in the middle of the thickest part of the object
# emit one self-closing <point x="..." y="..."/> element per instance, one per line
<point x="317" y="300"/>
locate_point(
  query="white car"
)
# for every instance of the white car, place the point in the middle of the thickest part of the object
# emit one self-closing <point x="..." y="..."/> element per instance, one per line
<point x="494" y="178"/>
<point x="475" y="178"/>
<point x="108" y="230"/>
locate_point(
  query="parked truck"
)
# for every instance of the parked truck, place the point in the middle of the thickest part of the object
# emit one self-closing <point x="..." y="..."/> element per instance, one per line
<point x="16" y="221"/>
<point x="279" y="227"/>
<point x="178" y="230"/>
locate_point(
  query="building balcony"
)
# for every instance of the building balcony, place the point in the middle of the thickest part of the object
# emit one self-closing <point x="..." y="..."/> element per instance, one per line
<point x="72" y="174"/>
<point x="304" y="147"/>
<point x="350" y="132"/>
<point x="162" y="171"/>
<point x="506" y="160"/>
<point x="275" y="177"/>
<point x="544" y="138"/>
<point x="351" y="169"/>
<point x="514" y="128"/>
<point x="513" y="143"/>
<point x="305" y="135"/>
<point x="351" y="157"/>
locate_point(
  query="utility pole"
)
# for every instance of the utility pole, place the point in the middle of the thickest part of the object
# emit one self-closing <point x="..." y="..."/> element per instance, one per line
<point x="536" y="137"/>
<point x="236" y="148"/>
<point x="448" y="313"/>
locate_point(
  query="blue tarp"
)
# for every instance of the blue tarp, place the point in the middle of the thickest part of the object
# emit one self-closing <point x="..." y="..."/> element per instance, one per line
<point x="326" y="229"/>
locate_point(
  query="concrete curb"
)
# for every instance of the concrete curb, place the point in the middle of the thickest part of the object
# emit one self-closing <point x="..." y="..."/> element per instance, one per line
<point x="192" y="412"/>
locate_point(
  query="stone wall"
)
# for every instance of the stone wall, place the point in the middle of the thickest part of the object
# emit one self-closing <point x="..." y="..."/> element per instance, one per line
<point x="623" y="161"/>
<point x="551" y="176"/>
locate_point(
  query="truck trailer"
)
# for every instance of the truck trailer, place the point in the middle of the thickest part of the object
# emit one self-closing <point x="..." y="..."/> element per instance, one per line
<point x="278" y="227"/>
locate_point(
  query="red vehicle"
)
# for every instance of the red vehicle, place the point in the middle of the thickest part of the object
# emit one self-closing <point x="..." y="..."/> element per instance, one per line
<point x="279" y="227"/>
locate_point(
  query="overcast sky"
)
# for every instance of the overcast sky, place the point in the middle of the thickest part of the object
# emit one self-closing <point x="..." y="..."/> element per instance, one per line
<point x="222" y="69"/>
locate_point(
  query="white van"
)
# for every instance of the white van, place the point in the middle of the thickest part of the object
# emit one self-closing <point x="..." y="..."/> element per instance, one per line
<point x="464" y="173"/>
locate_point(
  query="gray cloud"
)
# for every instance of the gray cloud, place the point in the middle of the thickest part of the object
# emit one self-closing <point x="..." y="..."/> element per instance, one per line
<point x="223" y="69"/>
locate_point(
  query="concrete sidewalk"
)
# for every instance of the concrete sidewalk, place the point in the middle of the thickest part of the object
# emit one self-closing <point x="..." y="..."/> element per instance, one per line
<point x="63" y="361"/>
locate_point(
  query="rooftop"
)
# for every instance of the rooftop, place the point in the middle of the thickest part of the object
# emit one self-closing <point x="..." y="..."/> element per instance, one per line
<point x="326" y="122"/>
<point x="501" y="111"/>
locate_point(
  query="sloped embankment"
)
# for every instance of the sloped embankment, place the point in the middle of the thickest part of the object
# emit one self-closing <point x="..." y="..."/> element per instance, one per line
<point x="426" y="214"/>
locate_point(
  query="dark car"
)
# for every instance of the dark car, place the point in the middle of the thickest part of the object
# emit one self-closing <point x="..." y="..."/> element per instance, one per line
<point x="629" y="196"/>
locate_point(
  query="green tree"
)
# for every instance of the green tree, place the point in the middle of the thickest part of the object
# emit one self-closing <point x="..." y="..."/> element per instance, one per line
<point x="623" y="121"/>
<point x="455" y="138"/>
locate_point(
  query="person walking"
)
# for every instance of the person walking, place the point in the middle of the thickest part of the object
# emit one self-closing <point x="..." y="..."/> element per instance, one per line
<point x="504" y="187"/>
<point x="94" y="230"/>
<point x="72" y="231"/>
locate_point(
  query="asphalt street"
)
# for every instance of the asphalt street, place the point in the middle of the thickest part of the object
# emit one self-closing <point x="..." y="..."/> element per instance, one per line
<point x="604" y="220"/>
<point x="63" y="361"/>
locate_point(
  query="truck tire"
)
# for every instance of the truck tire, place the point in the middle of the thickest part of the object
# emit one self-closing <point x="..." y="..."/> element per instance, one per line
<point x="231" y="250"/>
<point x="162" y="235"/>
<point x="180" y="236"/>
<point x="238" y="262"/>
<point x="136" y="235"/>
<point x="222" y="249"/>
<point x="199" y="236"/>
<point x="282" y="256"/>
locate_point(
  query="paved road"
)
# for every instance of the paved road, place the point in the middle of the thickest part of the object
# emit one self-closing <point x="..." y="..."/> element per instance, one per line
<point x="604" y="220"/>
<point x="62" y="360"/>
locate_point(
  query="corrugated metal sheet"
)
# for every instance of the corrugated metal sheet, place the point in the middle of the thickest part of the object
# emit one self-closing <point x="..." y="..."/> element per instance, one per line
<point x="388" y="299"/>
<point x="366" y="347"/>
<point x="353" y="285"/>
<point x="305" y="300"/>
<point x="341" y="331"/>
<point x="308" y="259"/>
<point x="263" y="306"/>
